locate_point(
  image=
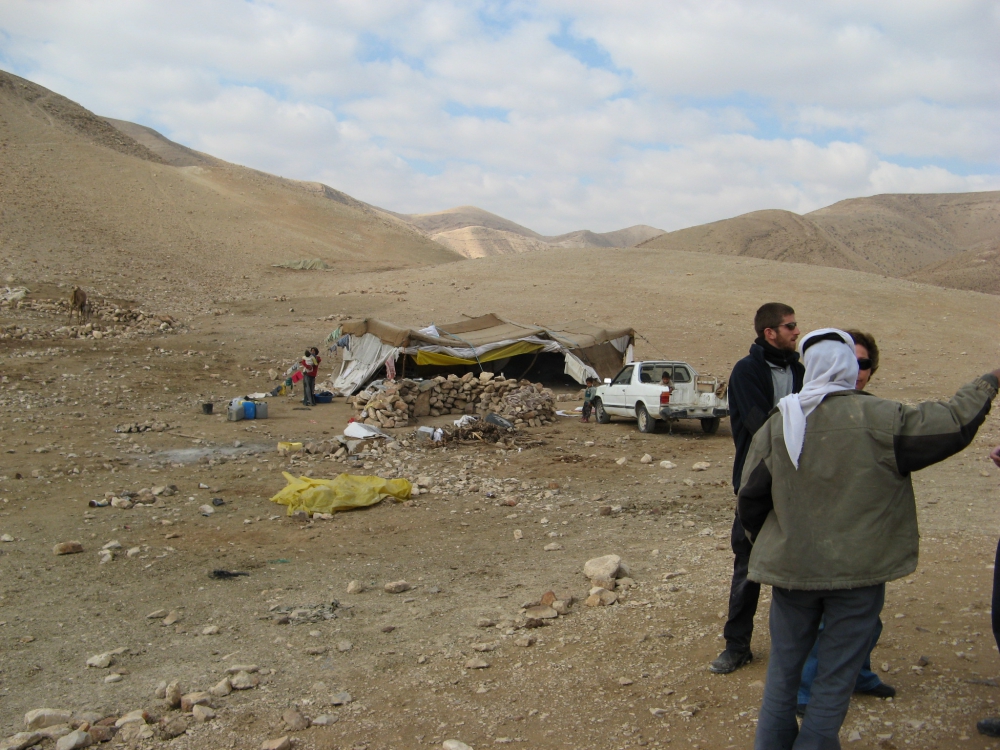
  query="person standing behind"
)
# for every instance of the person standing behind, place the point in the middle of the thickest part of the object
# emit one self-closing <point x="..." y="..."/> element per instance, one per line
<point x="827" y="500"/>
<point x="991" y="726"/>
<point x="588" y="398"/>
<point x="309" y="370"/>
<point x="768" y="373"/>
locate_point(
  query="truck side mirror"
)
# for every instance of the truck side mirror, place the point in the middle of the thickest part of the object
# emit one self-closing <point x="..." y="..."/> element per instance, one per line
<point x="607" y="381"/>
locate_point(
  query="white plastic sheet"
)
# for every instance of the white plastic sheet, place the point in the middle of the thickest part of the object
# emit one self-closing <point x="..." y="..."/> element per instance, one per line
<point x="365" y="355"/>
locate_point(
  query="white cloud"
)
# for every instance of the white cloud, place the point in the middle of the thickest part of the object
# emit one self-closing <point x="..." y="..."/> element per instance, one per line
<point x="560" y="115"/>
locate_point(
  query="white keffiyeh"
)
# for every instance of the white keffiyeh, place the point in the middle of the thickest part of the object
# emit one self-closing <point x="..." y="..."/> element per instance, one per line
<point x="831" y="366"/>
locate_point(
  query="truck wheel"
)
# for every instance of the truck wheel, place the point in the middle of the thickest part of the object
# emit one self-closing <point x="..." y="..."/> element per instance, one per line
<point x="602" y="416"/>
<point x="646" y="422"/>
<point x="710" y="426"/>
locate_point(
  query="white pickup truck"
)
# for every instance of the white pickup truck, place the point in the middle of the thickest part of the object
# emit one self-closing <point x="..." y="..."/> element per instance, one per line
<point x="636" y="392"/>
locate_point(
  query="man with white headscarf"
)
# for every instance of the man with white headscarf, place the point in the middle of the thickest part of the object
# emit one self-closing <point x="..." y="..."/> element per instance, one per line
<point x="827" y="500"/>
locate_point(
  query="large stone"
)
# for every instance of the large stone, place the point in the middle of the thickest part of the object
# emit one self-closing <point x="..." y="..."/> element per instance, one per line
<point x="279" y="743"/>
<point x="454" y="745"/>
<point x="541" y="612"/>
<point x="175" y="727"/>
<point x="173" y="693"/>
<point x="221" y="688"/>
<point x="102" y="734"/>
<point x="46" y="717"/>
<point x="397" y="587"/>
<point x="244" y="681"/>
<point x="73" y="740"/>
<point x="101" y="661"/>
<point x="21" y="740"/>
<point x="294" y="720"/>
<point x="355" y="587"/>
<point x="67" y="548"/>
<point x="202" y="714"/>
<point x="135" y="731"/>
<point x="602" y="567"/>
<point x="133" y="717"/>
<point x="190" y="700"/>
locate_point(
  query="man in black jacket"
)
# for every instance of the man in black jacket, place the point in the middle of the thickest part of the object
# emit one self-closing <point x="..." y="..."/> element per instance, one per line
<point x="767" y="374"/>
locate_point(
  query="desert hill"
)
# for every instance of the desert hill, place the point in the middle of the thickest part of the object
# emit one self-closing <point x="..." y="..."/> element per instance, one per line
<point x="476" y="233"/>
<point x="948" y="239"/>
<point x="117" y="206"/>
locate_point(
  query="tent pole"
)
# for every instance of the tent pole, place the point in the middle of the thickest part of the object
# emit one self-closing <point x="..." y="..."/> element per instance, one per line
<point x="402" y="370"/>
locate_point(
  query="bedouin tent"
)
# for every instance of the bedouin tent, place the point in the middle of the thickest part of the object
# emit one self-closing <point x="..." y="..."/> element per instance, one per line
<point x="486" y="343"/>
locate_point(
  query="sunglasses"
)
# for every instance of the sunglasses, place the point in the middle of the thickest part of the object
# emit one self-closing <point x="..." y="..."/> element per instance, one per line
<point x="790" y="326"/>
<point x="864" y="363"/>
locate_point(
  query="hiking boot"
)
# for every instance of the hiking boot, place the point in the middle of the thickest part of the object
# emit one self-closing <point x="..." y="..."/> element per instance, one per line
<point x="729" y="661"/>
<point x="880" y="691"/>
<point x="990" y="727"/>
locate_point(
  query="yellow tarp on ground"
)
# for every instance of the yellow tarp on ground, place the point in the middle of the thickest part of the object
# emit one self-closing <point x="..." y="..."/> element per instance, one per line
<point x="511" y="350"/>
<point x="344" y="492"/>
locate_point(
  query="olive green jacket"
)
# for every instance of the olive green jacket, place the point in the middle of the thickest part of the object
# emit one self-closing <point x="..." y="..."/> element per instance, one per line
<point x="847" y="517"/>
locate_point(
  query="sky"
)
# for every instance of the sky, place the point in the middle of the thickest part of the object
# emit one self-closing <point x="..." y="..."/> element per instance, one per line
<point x="558" y="115"/>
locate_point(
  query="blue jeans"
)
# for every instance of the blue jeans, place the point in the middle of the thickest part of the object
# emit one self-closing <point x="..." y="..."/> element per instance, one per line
<point x="850" y="616"/>
<point x="867" y="679"/>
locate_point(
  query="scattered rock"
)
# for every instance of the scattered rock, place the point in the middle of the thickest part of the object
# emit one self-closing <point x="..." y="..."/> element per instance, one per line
<point x="101" y="661"/>
<point x="658" y="712"/>
<point x="454" y="745"/>
<point x="646" y="459"/>
<point x="325" y="720"/>
<point x="668" y="465"/>
<point x="199" y="698"/>
<point x="279" y="743"/>
<point x="222" y="688"/>
<point x="518" y="535"/>
<point x="206" y="510"/>
<point x="622" y="461"/>
<point x="133" y="717"/>
<point x="158" y="614"/>
<point x="485" y="622"/>
<point x="210" y="630"/>
<point x="854" y="736"/>
<point x="67" y="548"/>
<point x="237" y="668"/>
<point x="202" y="713"/>
<point x="541" y="612"/>
<point x="525" y="641"/>
<point x="135" y="731"/>
<point x="40" y="718"/>
<point x="101" y="734"/>
<point x="602" y="567"/>
<point x="244" y="681"/>
<point x="173" y="694"/>
<point x="341" y="699"/>
<point x="294" y="720"/>
<point x="476" y="664"/>
<point x="113" y="677"/>
<point x="175" y="727"/>
<point x="624" y="681"/>
<point x="344" y="646"/>
<point x="397" y="587"/>
<point x="73" y="740"/>
<point x="601" y="597"/>
<point x="172" y="617"/>
<point x="21" y="741"/>
<point x="701" y="466"/>
<point x="355" y="587"/>
<point x="553" y="547"/>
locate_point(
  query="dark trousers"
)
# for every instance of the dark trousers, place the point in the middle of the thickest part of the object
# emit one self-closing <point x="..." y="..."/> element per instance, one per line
<point x="308" y="389"/>
<point x="995" y="616"/>
<point x="588" y="407"/>
<point x="849" y="616"/>
<point x="867" y="679"/>
<point x="743" y="594"/>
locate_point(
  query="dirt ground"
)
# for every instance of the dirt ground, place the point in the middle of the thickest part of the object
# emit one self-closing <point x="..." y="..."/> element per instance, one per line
<point x="633" y="674"/>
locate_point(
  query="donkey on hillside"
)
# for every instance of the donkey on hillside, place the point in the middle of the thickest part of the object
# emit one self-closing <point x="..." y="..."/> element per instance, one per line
<point x="78" y="304"/>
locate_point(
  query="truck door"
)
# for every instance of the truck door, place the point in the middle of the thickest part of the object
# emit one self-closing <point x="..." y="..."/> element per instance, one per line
<point x="646" y="387"/>
<point x="614" y="394"/>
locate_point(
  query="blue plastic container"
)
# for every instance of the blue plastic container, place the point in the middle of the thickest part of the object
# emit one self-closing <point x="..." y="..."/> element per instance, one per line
<point x="249" y="410"/>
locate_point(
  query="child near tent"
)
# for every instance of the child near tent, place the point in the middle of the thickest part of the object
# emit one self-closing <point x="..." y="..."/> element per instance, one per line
<point x="588" y="398"/>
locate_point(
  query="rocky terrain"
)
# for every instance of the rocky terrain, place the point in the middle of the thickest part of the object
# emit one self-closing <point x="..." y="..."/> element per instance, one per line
<point x="191" y="611"/>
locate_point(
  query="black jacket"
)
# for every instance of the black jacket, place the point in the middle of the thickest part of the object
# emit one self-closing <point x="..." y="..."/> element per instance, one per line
<point x="751" y="398"/>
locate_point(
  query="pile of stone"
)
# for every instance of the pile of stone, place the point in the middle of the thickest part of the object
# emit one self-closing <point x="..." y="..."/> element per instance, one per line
<point x="147" y="426"/>
<point x="606" y="574"/>
<point x="108" y="321"/>
<point x="396" y="404"/>
<point x="126" y="499"/>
